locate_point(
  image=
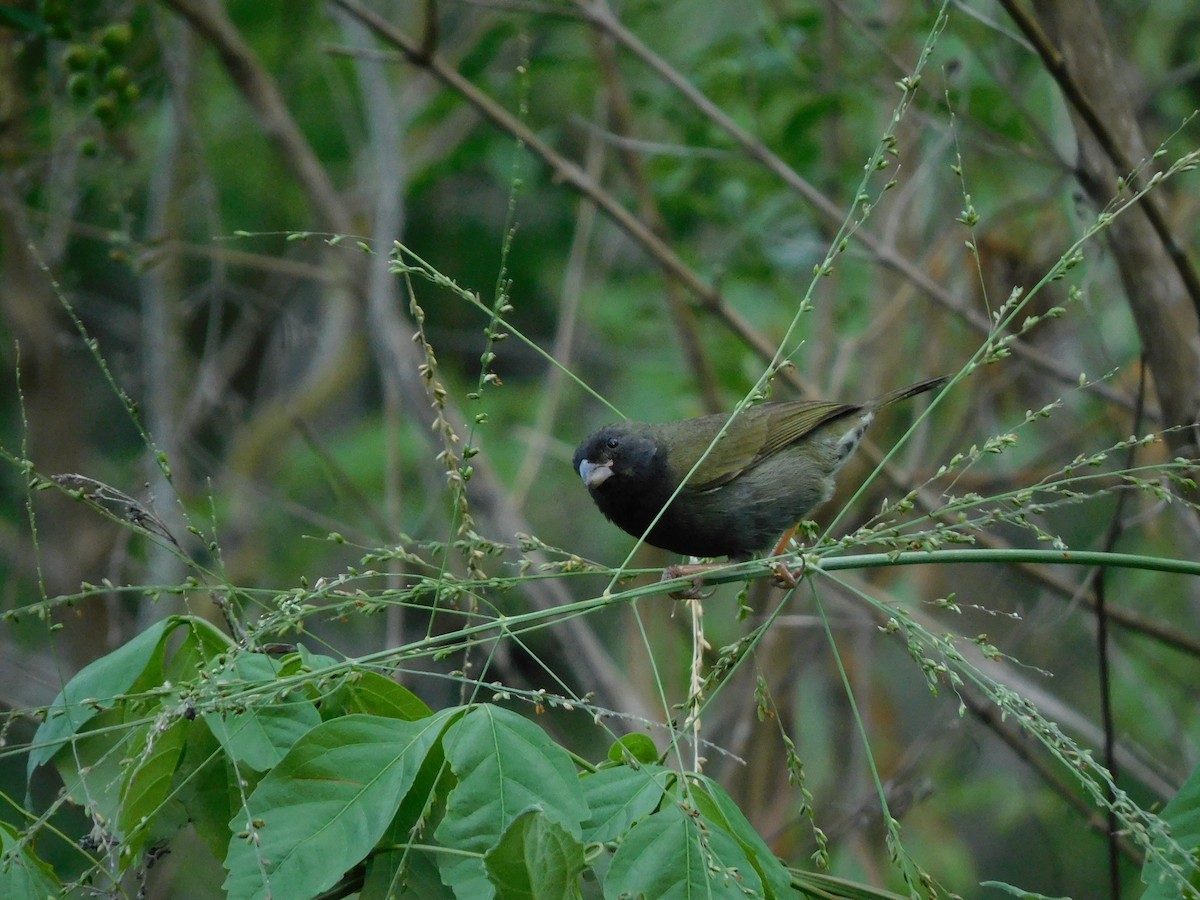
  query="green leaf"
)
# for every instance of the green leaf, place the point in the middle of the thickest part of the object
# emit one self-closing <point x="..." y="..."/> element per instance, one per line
<point x="719" y="809"/>
<point x="1019" y="892"/>
<point x="109" y="767"/>
<point x="535" y="858"/>
<point x="505" y="765"/>
<point x="823" y="886"/>
<point x="22" y="875"/>
<point x="640" y="746"/>
<point x="98" y="686"/>
<point x="203" y="642"/>
<point x="208" y="787"/>
<point x="1182" y="814"/>
<point x="413" y="873"/>
<point x="148" y="784"/>
<point x="620" y="796"/>
<point x="365" y="691"/>
<point x="315" y="662"/>
<point x="93" y="767"/>
<point x="259" y="735"/>
<point x="327" y="803"/>
<point x="670" y="855"/>
<point x="397" y="861"/>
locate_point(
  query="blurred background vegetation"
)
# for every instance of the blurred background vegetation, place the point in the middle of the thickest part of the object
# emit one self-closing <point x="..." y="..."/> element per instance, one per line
<point x="649" y="186"/>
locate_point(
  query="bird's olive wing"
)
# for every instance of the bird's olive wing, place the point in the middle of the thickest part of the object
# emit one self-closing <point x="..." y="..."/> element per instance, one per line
<point x="686" y="442"/>
<point x="754" y="435"/>
<point x="790" y="422"/>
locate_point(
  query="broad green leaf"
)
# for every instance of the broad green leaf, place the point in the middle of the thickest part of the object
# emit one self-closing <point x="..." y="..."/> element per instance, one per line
<point x="93" y="766"/>
<point x="620" y="796"/>
<point x="505" y="764"/>
<point x="1182" y="813"/>
<point x="397" y="862"/>
<point x="718" y="809"/>
<point x="100" y="768"/>
<point x="98" y="686"/>
<point x="208" y="787"/>
<point x="315" y="662"/>
<point x="671" y="856"/>
<point x="640" y="746"/>
<point x="109" y="737"/>
<point x="535" y="858"/>
<point x="364" y="691"/>
<point x="22" y="875"/>
<point x="1019" y="892"/>
<point x="260" y="734"/>
<point x="327" y="803"/>
<point x="404" y="874"/>
<point x="148" y="783"/>
<point x="202" y="643"/>
<point x="822" y="886"/>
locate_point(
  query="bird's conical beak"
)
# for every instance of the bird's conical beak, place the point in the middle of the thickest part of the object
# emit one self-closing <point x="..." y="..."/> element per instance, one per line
<point x="595" y="474"/>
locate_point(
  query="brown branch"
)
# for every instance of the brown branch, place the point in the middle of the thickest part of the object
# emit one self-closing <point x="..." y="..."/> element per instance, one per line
<point x="259" y="90"/>
<point x="575" y="178"/>
<point x="597" y="13"/>
<point x="568" y="173"/>
<point x="1158" y="292"/>
<point x="1056" y="65"/>
<point x="710" y="298"/>
<point x="620" y="114"/>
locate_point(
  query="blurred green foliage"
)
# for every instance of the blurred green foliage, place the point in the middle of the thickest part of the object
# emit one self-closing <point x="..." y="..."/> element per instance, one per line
<point x="257" y="364"/>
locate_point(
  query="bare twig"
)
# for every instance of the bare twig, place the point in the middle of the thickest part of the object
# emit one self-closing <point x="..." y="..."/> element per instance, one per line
<point x="995" y="722"/>
<point x="620" y="113"/>
<point x="600" y="16"/>
<point x="1160" y="285"/>
<point x="1056" y="65"/>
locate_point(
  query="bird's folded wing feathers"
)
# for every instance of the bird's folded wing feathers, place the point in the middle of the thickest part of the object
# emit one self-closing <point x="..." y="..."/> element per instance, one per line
<point x="754" y="435"/>
<point x="789" y="422"/>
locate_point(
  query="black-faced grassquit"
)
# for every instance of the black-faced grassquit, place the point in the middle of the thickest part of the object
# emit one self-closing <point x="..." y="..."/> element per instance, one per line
<point x="773" y="464"/>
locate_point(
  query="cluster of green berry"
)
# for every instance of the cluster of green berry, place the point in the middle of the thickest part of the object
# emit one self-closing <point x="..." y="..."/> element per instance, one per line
<point x="98" y="74"/>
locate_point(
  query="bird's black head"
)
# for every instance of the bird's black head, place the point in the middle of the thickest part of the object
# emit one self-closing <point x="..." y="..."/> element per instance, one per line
<point x="618" y="458"/>
<point x="629" y="473"/>
<point x="625" y="471"/>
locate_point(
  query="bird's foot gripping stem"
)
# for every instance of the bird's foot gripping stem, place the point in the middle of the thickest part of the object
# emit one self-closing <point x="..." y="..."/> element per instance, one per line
<point x="695" y="571"/>
<point x="782" y="576"/>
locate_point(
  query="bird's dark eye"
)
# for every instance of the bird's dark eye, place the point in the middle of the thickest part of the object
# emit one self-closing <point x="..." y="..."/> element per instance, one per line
<point x="612" y="443"/>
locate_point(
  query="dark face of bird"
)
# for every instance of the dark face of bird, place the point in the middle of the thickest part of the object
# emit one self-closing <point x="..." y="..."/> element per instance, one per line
<point x="623" y="469"/>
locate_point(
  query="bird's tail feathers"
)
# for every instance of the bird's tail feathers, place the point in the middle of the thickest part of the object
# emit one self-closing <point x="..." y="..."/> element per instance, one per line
<point x="919" y="387"/>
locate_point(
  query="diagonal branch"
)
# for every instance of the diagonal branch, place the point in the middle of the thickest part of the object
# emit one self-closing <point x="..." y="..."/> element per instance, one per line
<point x="1056" y="65"/>
<point x="259" y="90"/>
<point x="597" y="13"/>
<point x="568" y="173"/>
<point x="709" y="297"/>
<point x="1108" y="135"/>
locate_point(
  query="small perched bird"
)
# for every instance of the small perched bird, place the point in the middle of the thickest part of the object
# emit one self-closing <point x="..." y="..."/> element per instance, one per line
<point x="773" y="464"/>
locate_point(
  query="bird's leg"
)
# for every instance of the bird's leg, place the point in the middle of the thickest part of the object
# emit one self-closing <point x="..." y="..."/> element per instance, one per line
<point x="784" y="577"/>
<point x="696" y="572"/>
